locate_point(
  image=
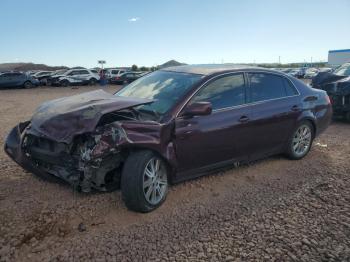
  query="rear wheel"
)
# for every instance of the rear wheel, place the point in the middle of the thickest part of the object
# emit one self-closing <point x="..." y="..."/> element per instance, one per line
<point x="301" y="140"/>
<point x="28" y="84"/>
<point x="65" y="83"/>
<point x="92" y="81"/>
<point x="144" y="182"/>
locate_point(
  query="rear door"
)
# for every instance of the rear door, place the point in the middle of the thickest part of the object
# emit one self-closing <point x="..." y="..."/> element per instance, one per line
<point x="18" y="79"/>
<point x="84" y="75"/>
<point x="275" y="107"/>
<point x="74" y="76"/>
<point x="203" y="141"/>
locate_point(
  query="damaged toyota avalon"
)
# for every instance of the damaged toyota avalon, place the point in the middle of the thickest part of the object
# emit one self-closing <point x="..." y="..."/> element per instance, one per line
<point x="168" y="126"/>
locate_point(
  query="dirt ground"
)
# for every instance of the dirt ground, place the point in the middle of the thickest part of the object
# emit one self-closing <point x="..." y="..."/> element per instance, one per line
<point x="271" y="210"/>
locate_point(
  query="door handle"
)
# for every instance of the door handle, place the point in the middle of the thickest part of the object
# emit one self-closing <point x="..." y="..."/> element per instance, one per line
<point x="295" y="108"/>
<point x="243" y="119"/>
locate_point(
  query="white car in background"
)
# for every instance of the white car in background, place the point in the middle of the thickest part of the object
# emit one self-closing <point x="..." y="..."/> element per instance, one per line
<point x="79" y="76"/>
<point x="311" y="72"/>
<point x="114" y="72"/>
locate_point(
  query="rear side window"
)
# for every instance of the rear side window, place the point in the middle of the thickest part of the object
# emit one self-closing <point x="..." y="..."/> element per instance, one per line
<point x="224" y="92"/>
<point x="73" y="73"/>
<point x="290" y="89"/>
<point x="84" y="72"/>
<point x="268" y="86"/>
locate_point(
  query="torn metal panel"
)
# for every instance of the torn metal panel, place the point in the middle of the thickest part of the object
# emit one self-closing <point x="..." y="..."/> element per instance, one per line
<point x="61" y="119"/>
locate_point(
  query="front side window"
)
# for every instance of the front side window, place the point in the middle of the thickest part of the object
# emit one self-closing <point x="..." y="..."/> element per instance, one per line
<point x="165" y="88"/>
<point x="224" y="92"/>
<point x="268" y="86"/>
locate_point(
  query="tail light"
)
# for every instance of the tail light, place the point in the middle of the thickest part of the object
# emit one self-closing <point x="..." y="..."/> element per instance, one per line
<point x="117" y="78"/>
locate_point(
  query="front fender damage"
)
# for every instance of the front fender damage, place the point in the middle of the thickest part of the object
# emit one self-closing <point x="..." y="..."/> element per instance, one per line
<point x="108" y="147"/>
<point x="91" y="160"/>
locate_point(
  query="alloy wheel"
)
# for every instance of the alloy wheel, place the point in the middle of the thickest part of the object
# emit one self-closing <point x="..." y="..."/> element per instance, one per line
<point x="302" y="140"/>
<point x="155" y="183"/>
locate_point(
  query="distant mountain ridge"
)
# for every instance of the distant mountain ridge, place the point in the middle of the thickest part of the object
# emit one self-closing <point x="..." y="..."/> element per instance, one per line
<point x="171" y="63"/>
<point x="28" y="67"/>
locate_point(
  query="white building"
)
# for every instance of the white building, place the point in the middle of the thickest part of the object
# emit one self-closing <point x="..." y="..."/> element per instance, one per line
<point x="338" y="57"/>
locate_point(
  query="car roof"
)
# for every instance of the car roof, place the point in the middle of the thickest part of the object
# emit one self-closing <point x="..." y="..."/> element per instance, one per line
<point x="209" y="69"/>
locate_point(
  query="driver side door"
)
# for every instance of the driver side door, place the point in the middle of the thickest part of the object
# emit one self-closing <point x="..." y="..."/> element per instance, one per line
<point x="204" y="142"/>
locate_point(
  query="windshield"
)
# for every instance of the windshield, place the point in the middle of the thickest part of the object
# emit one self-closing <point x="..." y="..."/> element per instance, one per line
<point x="166" y="88"/>
<point x="60" y="72"/>
<point x="344" y="70"/>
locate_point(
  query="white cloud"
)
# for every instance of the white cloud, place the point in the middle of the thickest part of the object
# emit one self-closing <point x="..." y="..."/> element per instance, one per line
<point x="134" y="19"/>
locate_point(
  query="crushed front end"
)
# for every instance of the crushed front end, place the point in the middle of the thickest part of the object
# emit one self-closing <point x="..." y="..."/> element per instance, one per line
<point x="90" y="161"/>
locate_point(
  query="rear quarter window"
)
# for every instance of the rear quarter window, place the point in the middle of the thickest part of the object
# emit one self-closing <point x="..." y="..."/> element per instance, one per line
<point x="290" y="89"/>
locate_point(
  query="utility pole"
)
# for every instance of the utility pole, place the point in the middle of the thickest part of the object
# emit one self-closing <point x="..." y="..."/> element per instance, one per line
<point x="279" y="59"/>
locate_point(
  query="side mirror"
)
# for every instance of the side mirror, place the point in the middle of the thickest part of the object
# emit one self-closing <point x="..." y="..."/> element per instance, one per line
<point x="197" y="109"/>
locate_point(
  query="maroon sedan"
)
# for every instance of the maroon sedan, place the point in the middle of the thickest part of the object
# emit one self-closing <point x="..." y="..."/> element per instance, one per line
<point x="171" y="125"/>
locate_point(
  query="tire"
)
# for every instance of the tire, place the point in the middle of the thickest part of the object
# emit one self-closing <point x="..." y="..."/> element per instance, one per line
<point x="28" y="85"/>
<point x="300" y="142"/>
<point x="65" y="83"/>
<point x="141" y="191"/>
<point x="92" y="81"/>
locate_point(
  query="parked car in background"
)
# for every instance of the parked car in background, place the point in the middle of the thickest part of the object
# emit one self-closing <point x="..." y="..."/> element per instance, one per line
<point x="74" y="77"/>
<point x="114" y="72"/>
<point x="337" y="85"/>
<point x="95" y="71"/>
<point x="296" y="72"/>
<point x="17" y="79"/>
<point x="126" y="78"/>
<point x="171" y="125"/>
<point x="311" y="72"/>
<point x="325" y="69"/>
<point x="42" y="76"/>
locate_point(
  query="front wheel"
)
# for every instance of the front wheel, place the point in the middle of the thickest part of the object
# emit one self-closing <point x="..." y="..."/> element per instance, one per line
<point x="301" y="140"/>
<point x="144" y="182"/>
<point x="65" y="83"/>
<point x="28" y="85"/>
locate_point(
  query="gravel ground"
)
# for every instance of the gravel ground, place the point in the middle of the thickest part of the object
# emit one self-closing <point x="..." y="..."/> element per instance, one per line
<point x="272" y="210"/>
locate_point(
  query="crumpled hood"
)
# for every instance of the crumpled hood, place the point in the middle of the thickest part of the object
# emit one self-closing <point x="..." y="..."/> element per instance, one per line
<point x="61" y="119"/>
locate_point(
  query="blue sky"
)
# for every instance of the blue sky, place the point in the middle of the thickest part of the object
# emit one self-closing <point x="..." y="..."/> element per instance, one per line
<point x="80" y="32"/>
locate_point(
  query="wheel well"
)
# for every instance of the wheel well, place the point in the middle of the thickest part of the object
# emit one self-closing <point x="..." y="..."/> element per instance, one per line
<point x="128" y="151"/>
<point x="313" y="126"/>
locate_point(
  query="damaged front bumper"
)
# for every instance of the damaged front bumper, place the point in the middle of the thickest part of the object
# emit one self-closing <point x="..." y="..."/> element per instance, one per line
<point x="92" y="163"/>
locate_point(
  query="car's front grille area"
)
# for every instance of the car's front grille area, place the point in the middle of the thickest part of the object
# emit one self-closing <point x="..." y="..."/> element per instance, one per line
<point x="47" y="151"/>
